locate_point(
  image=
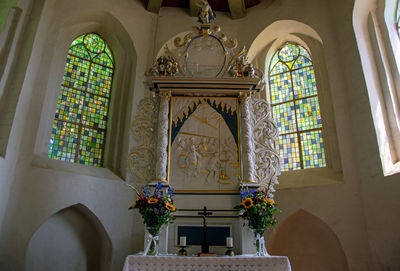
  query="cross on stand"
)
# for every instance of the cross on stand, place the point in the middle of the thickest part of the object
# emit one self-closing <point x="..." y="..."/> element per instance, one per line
<point x="205" y="247"/>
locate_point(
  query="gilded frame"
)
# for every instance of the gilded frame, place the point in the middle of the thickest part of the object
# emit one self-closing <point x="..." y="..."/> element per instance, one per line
<point x="205" y="191"/>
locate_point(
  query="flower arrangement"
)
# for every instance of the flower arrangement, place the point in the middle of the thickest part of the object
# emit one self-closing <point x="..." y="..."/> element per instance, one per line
<point x="257" y="210"/>
<point x="155" y="208"/>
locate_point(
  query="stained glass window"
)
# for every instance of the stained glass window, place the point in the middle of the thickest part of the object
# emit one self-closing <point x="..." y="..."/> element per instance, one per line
<point x="295" y="106"/>
<point x="79" y="127"/>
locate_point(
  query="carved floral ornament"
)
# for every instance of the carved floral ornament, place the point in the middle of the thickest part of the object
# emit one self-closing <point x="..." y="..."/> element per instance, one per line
<point x="265" y="132"/>
<point x="141" y="159"/>
<point x="264" y="159"/>
<point x="204" y="52"/>
<point x="209" y="74"/>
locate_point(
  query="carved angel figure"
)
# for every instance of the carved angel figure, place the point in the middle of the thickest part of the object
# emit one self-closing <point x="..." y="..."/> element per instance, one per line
<point x="206" y="14"/>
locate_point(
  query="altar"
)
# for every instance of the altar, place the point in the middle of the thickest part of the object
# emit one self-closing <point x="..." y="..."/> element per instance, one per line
<point x="206" y="133"/>
<point x="175" y="263"/>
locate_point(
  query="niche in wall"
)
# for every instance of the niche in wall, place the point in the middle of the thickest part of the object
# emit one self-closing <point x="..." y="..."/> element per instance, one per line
<point x="71" y="239"/>
<point x="309" y="243"/>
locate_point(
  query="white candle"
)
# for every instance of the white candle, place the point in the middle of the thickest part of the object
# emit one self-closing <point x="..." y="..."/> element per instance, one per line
<point x="182" y="241"/>
<point x="229" y="241"/>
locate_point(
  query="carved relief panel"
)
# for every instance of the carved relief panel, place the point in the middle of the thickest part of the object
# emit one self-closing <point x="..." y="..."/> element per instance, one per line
<point x="204" y="140"/>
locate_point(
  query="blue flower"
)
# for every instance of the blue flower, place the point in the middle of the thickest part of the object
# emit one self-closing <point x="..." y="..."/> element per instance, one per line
<point x="252" y="191"/>
<point x="146" y="191"/>
<point x="171" y="191"/>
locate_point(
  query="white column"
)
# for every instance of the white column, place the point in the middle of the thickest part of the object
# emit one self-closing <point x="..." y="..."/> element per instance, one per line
<point x="246" y="138"/>
<point x="162" y="138"/>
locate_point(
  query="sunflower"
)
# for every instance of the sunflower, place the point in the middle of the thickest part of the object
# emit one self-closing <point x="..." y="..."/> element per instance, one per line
<point x="134" y="204"/>
<point x="270" y="201"/>
<point x="247" y="203"/>
<point x="170" y="207"/>
<point x="152" y="201"/>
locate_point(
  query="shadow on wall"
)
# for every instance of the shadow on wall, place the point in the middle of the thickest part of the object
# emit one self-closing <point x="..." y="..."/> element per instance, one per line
<point x="71" y="239"/>
<point x="309" y="243"/>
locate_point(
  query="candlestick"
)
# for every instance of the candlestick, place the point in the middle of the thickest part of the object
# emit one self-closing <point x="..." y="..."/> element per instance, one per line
<point x="182" y="241"/>
<point x="229" y="242"/>
<point x="229" y="246"/>
<point x="182" y="251"/>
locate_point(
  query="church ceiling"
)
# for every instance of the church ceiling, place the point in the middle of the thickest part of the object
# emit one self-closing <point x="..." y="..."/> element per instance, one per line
<point x="217" y="5"/>
<point x="236" y="8"/>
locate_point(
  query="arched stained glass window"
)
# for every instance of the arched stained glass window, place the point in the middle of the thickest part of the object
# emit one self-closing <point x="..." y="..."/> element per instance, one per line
<point x="295" y="106"/>
<point x="79" y="127"/>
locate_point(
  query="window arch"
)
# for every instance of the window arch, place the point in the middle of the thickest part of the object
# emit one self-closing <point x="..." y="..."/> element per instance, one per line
<point x="80" y="123"/>
<point x="376" y="27"/>
<point x="398" y="18"/>
<point x="295" y="106"/>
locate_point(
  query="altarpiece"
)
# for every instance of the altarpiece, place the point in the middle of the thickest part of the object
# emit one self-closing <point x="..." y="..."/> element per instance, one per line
<point x="204" y="131"/>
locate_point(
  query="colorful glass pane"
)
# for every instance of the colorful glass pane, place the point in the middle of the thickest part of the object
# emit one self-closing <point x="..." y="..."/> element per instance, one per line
<point x="279" y="68"/>
<point x="100" y="80"/>
<point x="304" y="52"/>
<point x="104" y="60"/>
<point x="79" y="51"/>
<point x="69" y="106"/>
<point x="76" y="72"/>
<point x="295" y="106"/>
<point x="301" y="62"/>
<point x="274" y="60"/>
<point x="285" y="117"/>
<point x="281" y="88"/>
<point x="304" y="84"/>
<point x="312" y="149"/>
<point x="288" y="149"/>
<point x="63" y="141"/>
<point x="78" y="40"/>
<point x="95" y="111"/>
<point x="108" y="52"/>
<point x="81" y="116"/>
<point x="91" y="147"/>
<point x="308" y="114"/>
<point x="288" y="53"/>
<point x="94" y="43"/>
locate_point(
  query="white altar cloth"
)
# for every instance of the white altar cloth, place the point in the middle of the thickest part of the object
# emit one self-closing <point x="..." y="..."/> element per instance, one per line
<point x="176" y="263"/>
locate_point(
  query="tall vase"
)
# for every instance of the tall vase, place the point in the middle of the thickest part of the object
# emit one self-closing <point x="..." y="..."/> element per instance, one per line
<point x="260" y="242"/>
<point x="152" y="241"/>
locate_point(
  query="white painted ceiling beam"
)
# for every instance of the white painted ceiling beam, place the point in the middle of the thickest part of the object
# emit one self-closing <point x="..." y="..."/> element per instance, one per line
<point x="154" y="5"/>
<point x="237" y="8"/>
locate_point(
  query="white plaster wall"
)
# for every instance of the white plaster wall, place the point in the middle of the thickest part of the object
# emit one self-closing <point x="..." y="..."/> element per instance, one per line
<point x="36" y="190"/>
<point x="381" y="199"/>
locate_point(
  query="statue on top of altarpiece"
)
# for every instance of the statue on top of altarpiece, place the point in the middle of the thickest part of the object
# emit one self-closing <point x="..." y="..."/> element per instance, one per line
<point x="206" y="14"/>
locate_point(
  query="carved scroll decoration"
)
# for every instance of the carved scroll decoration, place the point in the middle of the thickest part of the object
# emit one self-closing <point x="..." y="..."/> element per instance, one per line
<point x="162" y="138"/>
<point x="141" y="160"/>
<point x="265" y="133"/>
<point x="219" y="50"/>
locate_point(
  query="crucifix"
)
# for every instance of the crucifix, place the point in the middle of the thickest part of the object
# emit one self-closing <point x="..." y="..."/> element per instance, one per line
<point x="205" y="248"/>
